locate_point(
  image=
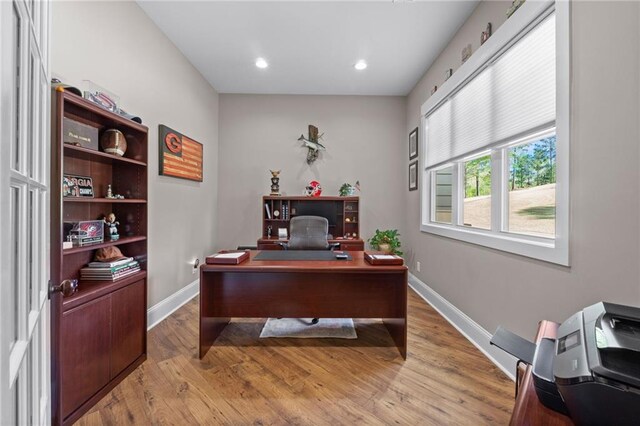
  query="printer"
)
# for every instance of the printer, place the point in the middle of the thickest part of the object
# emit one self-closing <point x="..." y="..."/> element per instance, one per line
<point x="597" y="364"/>
<point x="591" y="371"/>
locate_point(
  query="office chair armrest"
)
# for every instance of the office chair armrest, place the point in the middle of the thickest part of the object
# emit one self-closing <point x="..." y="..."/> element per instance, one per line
<point x="285" y="246"/>
<point x="333" y="246"/>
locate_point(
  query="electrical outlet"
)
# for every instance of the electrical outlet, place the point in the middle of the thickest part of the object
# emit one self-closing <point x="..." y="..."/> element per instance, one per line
<point x="417" y="266"/>
<point x="195" y="264"/>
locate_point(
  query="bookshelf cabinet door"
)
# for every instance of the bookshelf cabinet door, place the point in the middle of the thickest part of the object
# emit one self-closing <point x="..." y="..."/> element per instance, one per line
<point x="128" y="326"/>
<point x="85" y="340"/>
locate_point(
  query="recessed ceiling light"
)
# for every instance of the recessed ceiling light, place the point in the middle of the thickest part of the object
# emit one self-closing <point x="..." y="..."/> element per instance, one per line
<point x="360" y="65"/>
<point x="261" y="63"/>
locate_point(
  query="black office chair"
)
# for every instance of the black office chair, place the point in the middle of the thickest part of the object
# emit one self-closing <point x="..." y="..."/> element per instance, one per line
<point x="309" y="233"/>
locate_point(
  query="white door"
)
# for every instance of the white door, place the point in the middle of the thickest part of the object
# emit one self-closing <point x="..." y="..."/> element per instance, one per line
<point x="24" y="212"/>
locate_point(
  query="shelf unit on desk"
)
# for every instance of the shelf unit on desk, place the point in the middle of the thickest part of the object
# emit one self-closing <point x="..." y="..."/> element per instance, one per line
<point x="342" y="212"/>
<point x="98" y="334"/>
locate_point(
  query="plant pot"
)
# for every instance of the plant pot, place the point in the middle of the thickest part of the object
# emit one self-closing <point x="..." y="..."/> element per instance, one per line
<point x="384" y="247"/>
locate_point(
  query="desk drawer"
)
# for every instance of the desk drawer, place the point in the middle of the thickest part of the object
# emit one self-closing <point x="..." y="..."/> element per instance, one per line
<point x="352" y="246"/>
<point x="269" y="246"/>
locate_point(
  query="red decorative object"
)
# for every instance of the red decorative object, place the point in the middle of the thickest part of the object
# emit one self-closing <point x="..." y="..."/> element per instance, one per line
<point x="314" y="189"/>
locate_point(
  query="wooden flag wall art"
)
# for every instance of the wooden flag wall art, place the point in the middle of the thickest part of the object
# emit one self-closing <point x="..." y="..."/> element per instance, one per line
<point x="180" y="156"/>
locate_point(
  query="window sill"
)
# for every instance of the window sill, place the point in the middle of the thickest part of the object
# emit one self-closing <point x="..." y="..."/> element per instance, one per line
<point x="549" y="250"/>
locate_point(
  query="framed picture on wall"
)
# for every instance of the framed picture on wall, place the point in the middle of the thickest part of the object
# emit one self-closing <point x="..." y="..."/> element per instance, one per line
<point x="413" y="176"/>
<point x="413" y="144"/>
<point x="180" y="156"/>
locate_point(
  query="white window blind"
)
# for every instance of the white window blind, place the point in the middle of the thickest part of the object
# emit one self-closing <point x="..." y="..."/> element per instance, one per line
<point x="514" y="94"/>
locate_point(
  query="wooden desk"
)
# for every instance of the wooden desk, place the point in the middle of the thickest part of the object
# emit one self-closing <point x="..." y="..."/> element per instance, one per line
<point x="528" y="410"/>
<point x="303" y="289"/>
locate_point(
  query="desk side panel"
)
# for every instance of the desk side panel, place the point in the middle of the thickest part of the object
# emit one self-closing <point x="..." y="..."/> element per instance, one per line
<point x="210" y="326"/>
<point x="329" y="295"/>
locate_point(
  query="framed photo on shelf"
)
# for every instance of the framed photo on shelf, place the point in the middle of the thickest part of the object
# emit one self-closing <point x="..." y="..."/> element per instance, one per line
<point x="77" y="186"/>
<point x="413" y="144"/>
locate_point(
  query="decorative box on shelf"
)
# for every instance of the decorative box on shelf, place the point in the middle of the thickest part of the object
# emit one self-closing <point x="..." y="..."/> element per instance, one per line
<point x="79" y="134"/>
<point x="84" y="232"/>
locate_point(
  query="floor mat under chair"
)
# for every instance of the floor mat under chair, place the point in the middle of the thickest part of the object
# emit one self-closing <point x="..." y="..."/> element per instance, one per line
<point x="336" y="328"/>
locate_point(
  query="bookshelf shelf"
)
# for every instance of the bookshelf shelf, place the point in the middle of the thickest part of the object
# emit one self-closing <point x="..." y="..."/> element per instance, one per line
<point x="90" y="247"/>
<point x="104" y="200"/>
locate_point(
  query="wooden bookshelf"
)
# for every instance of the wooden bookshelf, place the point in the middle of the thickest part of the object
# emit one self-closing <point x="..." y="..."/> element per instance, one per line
<point x="98" y="334"/>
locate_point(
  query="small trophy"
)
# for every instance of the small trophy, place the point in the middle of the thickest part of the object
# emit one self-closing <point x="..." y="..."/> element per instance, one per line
<point x="275" y="182"/>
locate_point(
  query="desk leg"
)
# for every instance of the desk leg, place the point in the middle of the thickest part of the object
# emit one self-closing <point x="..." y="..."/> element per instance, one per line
<point x="397" y="328"/>
<point x="210" y="325"/>
<point x="210" y="329"/>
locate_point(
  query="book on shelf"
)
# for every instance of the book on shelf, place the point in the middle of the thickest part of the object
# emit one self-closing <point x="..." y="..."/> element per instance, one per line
<point x="115" y="263"/>
<point x="107" y="271"/>
<point x="113" y="276"/>
<point x="267" y="210"/>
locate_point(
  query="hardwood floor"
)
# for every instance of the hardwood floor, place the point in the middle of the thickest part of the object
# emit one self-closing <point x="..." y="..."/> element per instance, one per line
<point x="247" y="380"/>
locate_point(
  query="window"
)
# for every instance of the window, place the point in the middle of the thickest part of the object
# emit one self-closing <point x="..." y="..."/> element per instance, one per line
<point x="443" y="191"/>
<point x="532" y="187"/>
<point x="477" y="192"/>
<point x="496" y="141"/>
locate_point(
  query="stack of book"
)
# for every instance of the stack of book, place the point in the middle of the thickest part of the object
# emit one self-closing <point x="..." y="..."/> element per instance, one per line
<point x="109" y="271"/>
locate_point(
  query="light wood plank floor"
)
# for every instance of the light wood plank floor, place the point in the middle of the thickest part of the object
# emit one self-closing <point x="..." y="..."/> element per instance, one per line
<point x="247" y="380"/>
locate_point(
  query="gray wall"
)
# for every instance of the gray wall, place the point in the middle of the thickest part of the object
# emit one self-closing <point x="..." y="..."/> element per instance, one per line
<point x="494" y="287"/>
<point x="116" y="45"/>
<point x="365" y="141"/>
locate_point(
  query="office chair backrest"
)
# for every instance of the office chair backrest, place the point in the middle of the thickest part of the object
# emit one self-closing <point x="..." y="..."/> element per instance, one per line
<point x="308" y="233"/>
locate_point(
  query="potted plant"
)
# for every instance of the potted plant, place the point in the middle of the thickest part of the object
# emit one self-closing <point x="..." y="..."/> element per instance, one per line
<point x="386" y="241"/>
<point x="347" y="190"/>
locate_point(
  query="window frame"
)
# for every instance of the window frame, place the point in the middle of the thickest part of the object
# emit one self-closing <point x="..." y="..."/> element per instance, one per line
<point x="554" y="250"/>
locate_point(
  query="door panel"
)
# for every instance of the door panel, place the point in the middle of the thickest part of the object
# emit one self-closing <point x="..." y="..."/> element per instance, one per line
<point x="128" y="326"/>
<point x="24" y="237"/>
<point x="85" y="370"/>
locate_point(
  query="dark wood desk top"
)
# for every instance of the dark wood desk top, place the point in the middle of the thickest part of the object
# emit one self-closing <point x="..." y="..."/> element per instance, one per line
<point x="358" y="264"/>
<point x="528" y="410"/>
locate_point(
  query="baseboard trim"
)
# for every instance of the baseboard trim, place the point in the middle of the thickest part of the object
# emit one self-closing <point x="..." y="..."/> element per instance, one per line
<point x="470" y="329"/>
<point x="166" y="307"/>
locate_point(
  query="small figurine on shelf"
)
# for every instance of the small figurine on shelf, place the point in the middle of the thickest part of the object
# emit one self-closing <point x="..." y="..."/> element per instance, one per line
<point x="275" y="182"/>
<point x="109" y="192"/>
<point x="112" y="224"/>
<point x="269" y="228"/>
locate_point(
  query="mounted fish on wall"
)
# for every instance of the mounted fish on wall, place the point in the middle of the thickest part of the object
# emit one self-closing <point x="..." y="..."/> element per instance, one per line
<point x="313" y="144"/>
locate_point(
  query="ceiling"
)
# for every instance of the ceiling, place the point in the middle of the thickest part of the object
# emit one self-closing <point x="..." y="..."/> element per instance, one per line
<point x="310" y="47"/>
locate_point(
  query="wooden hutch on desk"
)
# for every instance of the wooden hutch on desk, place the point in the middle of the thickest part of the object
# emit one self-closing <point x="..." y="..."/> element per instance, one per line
<point x="341" y="212"/>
